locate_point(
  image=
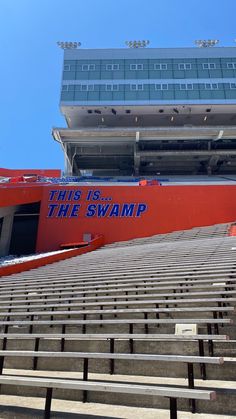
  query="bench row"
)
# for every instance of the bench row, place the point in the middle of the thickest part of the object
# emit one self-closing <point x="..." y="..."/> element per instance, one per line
<point x="50" y="384"/>
<point x="117" y="288"/>
<point x="54" y="303"/>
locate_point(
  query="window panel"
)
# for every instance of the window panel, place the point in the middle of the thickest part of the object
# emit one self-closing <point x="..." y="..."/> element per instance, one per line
<point x="67" y="96"/>
<point x="184" y="66"/>
<point x="112" y="87"/>
<point x="88" y="67"/>
<point x="136" y="67"/>
<point x="231" y="65"/>
<point x="161" y="66"/>
<point x="211" y="86"/>
<point x="208" y="66"/>
<point x="163" y="86"/>
<point x="112" y="67"/>
<point x="69" y="75"/>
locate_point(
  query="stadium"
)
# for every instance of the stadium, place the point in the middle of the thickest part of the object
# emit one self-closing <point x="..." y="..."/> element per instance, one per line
<point x="129" y="254"/>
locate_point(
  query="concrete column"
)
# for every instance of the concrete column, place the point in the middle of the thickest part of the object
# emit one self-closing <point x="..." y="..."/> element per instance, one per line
<point x="5" y="238"/>
<point x="136" y="154"/>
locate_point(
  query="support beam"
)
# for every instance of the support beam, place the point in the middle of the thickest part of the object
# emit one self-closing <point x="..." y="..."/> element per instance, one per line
<point x="212" y="162"/>
<point x="136" y="154"/>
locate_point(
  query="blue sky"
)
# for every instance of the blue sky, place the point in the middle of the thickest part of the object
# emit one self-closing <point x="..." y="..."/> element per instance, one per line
<point x="31" y="62"/>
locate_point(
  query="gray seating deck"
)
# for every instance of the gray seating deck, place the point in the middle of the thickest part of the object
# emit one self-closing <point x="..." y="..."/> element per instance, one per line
<point x="136" y="291"/>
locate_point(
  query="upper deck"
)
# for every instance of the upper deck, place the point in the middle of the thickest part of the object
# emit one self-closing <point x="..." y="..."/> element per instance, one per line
<point x="112" y="86"/>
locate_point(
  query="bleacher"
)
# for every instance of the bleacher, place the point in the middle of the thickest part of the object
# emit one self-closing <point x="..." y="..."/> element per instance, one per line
<point x="146" y="323"/>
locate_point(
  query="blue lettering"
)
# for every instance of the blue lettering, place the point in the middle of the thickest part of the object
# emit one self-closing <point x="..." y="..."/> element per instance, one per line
<point x="77" y="195"/>
<point x="69" y="195"/>
<point x="141" y="208"/>
<point x="127" y="210"/>
<point x="52" y="208"/>
<point x="61" y="195"/>
<point x="91" y="210"/>
<point x="96" y="195"/>
<point x="52" y="195"/>
<point x="63" y="210"/>
<point x="89" y="195"/>
<point x="115" y="210"/>
<point x="74" y="212"/>
<point x="102" y="210"/>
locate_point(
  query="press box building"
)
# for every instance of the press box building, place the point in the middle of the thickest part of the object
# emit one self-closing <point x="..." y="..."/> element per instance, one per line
<point x="149" y="111"/>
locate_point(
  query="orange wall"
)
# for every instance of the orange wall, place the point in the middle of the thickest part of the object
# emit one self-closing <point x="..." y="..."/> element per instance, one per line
<point x="16" y="194"/>
<point x="169" y="208"/>
<point x="21" y="172"/>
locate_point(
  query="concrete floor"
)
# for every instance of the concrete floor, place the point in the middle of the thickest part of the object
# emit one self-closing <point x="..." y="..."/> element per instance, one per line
<point x="14" y="407"/>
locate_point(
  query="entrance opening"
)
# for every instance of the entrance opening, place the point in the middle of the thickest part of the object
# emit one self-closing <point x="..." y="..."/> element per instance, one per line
<point x="24" y="229"/>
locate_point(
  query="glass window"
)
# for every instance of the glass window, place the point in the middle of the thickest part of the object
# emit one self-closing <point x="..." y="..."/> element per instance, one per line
<point x="66" y="67"/>
<point x="231" y="65"/>
<point x="112" y="87"/>
<point x="136" y="67"/>
<point x="161" y="66"/>
<point x="210" y="86"/>
<point x="161" y="86"/>
<point x="111" y="67"/>
<point x="136" y="87"/>
<point x="232" y="85"/>
<point x="208" y="66"/>
<point x="87" y="87"/>
<point x="185" y="66"/>
<point x="188" y="86"/>
<point x="88" y="67"/>
<point x="64" y="87"/>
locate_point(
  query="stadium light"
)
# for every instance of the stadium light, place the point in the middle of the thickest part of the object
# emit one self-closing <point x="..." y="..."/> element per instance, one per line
<point x="68" y="45"/>
<point x="137" y="44"/>
<point x="206" y="43"/>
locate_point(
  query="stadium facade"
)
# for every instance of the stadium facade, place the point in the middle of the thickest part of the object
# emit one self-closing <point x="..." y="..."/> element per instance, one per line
<point x="150" y="147"/>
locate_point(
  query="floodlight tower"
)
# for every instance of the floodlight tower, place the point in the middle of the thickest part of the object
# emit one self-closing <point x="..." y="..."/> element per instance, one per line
<point x="206" y="43"/>
<point x="137" y="44"/>
<point x="68" y="45"/>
